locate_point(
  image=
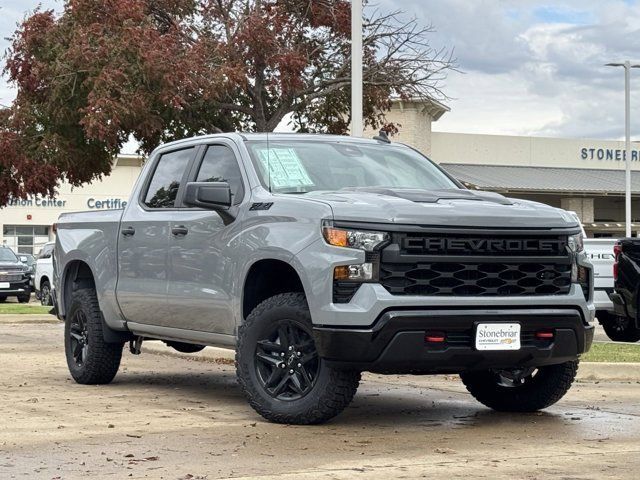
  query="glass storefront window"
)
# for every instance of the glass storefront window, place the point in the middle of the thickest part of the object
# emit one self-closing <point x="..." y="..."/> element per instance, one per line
<point x="25" y="239"/>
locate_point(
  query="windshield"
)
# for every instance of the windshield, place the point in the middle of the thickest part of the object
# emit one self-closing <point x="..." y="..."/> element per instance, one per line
<point x="305" y="166"/>
<point x="7" y="255"/>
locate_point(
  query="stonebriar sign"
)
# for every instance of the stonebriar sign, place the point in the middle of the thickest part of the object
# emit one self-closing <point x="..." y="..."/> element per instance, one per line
<point x="611" y="154"/>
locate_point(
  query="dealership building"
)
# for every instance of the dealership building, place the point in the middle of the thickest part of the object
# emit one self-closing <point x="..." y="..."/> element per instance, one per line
<point x="582" y="175"/>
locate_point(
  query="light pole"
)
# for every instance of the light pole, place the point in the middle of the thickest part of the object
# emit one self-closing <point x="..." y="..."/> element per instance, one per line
<point x="627" y="134"/>
<point x="357" y="124"/>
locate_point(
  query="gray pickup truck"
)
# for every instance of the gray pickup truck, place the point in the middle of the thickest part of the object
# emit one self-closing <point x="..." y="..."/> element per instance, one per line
<point x="319" y="257"/>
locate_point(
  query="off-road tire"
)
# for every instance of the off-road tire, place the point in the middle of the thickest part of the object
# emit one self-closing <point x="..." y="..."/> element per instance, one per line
<point x="185" y="347"/>
<point x="544" y="389"/>
<point x="45" y="294"/>
<point x="333" y="389"/>
<point x="103" y="358"/>
<point x="24" y="298"/>
<point x="618" y="329"/>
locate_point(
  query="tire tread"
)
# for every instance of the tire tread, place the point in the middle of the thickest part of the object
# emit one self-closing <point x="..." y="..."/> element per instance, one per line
<point x="330" y="402"/>
<point x="104" y="358"/>
<point x="555" y="383"/>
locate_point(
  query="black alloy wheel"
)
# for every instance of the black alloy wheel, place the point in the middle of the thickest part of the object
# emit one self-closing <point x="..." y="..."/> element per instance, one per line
<point x="281" y="372"/>
<point x="619" y="328"/>
<point x="515" y="377"/>
<point x="79" y="337"/>
<point x="286" y="361"/>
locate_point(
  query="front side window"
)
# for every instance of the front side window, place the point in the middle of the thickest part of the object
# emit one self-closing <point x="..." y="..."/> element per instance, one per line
<point x="303" y="166"/>
<point x="220" y="165"/>
<point x="166" y="179"/>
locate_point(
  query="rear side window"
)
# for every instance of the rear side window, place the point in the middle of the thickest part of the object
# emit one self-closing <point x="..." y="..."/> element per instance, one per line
<point x="166" y="179"/>
<point x="220" y="165"/>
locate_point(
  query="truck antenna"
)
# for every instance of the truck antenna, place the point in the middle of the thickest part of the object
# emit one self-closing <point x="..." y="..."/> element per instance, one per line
<point x="382" y="136"/>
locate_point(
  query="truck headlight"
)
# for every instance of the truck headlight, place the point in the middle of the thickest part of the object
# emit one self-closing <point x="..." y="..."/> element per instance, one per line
<point x="576" y="243"/>
<point x="366" y="240"/>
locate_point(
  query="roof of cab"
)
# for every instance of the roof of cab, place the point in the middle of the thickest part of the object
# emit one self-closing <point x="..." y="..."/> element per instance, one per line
<point x="278" y="135"/>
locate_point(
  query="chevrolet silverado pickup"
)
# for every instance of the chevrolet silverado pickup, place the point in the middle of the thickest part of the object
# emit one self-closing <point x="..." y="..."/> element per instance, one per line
<point x="319" y="257"/>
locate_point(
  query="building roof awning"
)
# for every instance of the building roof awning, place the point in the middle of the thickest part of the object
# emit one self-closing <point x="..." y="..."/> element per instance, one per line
<point x="542" y="179"/>
<point x="433" y="107"/>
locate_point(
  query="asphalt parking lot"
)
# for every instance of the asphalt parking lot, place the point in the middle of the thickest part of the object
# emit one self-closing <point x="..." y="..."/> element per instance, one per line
<point x="166" y="417"/>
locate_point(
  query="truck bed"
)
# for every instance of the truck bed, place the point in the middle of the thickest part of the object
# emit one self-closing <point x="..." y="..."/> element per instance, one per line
<point x="92" y="238"/>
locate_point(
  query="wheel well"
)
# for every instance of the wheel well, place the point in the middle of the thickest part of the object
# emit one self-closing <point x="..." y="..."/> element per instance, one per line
<point x="265" y="279"/>
<point x="78" y="275"/>
<point x="43" y="279"/>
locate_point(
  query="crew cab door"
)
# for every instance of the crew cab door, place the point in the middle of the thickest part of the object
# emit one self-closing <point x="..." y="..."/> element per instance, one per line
<point x="201" y="251"/>
<point x="143" y="242"/>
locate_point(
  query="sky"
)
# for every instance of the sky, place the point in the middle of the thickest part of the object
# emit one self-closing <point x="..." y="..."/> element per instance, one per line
<point x="526" y="67"/>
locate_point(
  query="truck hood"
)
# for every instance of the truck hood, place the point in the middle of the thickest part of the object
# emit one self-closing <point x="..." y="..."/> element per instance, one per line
<point x="11" y="265"/>
<point x="451" y="208"/>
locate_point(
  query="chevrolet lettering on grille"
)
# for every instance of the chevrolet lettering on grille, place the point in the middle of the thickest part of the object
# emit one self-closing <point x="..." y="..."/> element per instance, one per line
<point x="483" y="245"/>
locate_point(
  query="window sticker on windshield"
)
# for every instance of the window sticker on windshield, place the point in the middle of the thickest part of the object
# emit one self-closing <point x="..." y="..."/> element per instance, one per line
<point x="285" y="168"/>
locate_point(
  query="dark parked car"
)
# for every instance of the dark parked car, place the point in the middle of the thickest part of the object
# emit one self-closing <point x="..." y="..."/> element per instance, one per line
<point x="626" y="274"/>
<point x="30" y="261"/>
<point x="14" y="277"/>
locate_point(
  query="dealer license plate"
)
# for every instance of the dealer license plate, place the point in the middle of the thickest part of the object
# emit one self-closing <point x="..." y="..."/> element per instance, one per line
<point x="498" y="336"/>
<point x="4" y="284"/>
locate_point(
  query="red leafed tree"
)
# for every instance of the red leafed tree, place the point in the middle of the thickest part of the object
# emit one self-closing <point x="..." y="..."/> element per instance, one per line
<point x="102" y="71"/>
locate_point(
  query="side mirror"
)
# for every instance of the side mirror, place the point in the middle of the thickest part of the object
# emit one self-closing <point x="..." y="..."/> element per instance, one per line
<point x="210" y="195"/>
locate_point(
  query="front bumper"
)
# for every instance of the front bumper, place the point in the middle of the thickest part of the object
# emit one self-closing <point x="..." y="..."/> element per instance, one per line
<point x="16" y="288"/>
<point x="602" y="299"/>
<point x="395" y="343"/>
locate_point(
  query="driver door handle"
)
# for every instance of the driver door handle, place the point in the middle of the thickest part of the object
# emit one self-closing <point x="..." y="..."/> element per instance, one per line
<point x="179" y="231"/>
<point x="128" y="231"/>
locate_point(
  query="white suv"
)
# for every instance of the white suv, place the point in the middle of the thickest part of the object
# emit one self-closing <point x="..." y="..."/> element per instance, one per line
<point x="44" y="274"/>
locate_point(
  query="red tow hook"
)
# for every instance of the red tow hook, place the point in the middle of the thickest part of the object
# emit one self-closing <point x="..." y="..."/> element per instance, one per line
<point x="435" y="337"/>
<point x="545" y="335"/>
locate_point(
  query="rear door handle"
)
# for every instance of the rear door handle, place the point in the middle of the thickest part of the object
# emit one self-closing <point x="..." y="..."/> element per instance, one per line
<point x="128" y="231"/>
<point x="179" y="231"/>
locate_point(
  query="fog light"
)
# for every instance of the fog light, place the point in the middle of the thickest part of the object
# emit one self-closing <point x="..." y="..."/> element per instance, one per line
<point x="356" y="273"/>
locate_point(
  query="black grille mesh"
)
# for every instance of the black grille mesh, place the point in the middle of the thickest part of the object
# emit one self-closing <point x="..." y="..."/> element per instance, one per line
<point x="410" y="266"/>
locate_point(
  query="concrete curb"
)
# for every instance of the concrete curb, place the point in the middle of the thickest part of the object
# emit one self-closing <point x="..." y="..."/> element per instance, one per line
<point x="613" y="372"/>
<point x="588" y="371"/>
<point x="27" y="318"/>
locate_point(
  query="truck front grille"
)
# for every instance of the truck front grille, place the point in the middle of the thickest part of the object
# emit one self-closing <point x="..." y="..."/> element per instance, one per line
<point x="12" y="276"/>
<point x="473" y="265"/>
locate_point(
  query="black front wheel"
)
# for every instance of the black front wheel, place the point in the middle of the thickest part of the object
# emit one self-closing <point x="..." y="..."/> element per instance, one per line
<point x="618" y="328"/>
<point x="24" y="298"/>
<point x="523" y="389"/>
<point x="3" y="298"/>
<point x="279" y="369"/>
<point x="91" y="360"/>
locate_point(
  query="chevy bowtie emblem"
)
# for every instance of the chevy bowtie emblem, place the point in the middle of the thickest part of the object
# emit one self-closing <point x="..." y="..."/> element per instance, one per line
<point x="547" y="275"/>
